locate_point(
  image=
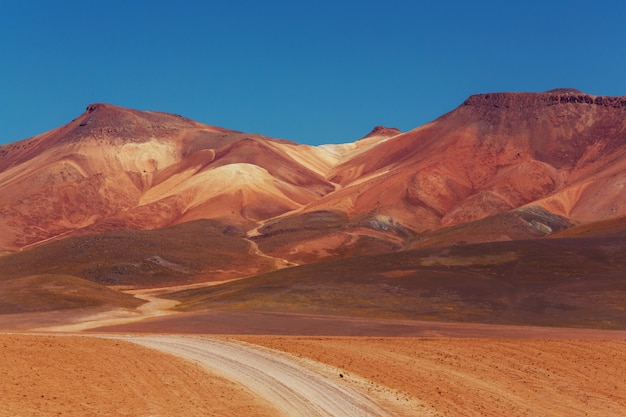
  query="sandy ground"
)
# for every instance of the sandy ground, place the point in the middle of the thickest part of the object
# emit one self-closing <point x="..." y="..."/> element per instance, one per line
<point x="78" y="376"/>
<point x="293" y="389"/>
<point x="154" y="307"/>
<point x="426" y="369"/>
<point x="46" y="375"/>
<point x="479" y="377"/>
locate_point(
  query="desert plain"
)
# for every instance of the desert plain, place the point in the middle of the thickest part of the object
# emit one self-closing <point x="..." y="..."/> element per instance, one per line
<point x="451" y="370"/>
<point x="151" y="265"/>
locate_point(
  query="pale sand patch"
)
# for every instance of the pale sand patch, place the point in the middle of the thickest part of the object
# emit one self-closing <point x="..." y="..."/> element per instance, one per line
<point x="154" y="307"/>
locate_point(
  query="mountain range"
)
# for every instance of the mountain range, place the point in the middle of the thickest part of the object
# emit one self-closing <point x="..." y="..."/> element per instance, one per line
<point x="121" y="198"/>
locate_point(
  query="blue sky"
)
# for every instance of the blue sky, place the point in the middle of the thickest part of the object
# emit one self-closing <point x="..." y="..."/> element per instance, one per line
<point x="313" y="72"/>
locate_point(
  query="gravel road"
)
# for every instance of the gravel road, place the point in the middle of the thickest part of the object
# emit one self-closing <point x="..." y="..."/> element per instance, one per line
<point x="291" y="388"/>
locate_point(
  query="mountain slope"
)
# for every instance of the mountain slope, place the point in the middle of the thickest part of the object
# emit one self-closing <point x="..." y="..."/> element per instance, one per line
<point x="558" y="155"/>
<point x="494" y="153"/>
<point x="561" y="152"/>
<point x="202" y="250"/>
<point x="550" y="282"/>
<point x="508" y="209"/>
<point x="118" y="169"/>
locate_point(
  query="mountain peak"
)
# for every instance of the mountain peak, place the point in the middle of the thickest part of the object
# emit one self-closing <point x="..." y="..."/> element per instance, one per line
<point x="98" y="106"/>
<point x="107" y="121"/>
<point x="383" y="131"/>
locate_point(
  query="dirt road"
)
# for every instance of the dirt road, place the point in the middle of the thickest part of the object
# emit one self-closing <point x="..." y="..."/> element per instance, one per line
<point x="78" y="375"/>
<point x="292" y="389"/>
<point x="480" y="377"/>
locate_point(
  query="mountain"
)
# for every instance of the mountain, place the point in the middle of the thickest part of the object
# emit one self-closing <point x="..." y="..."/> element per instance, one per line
<point x="550" y="160"/>
<point x="144" y="199"/>
<point x="119" y="169"/>
<point x="495" y="152"/>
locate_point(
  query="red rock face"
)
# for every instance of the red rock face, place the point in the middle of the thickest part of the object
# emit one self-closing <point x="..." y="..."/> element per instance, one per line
<point x="114" y="168"/>
<point x="497" y="152"/>
<point x="561" y="152"/>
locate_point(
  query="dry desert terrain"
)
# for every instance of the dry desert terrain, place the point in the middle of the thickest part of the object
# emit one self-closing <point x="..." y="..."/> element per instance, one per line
<point x="151" y="265"/>
<point x="79" y="376"/>
<point x="43" y="375"/>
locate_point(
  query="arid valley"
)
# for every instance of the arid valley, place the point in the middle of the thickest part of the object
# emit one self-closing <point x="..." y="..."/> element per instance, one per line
<point x="151" y="265"/>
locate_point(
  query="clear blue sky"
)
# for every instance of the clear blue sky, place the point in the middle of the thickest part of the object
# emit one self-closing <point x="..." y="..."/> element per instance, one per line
<point x="313" y="72"/>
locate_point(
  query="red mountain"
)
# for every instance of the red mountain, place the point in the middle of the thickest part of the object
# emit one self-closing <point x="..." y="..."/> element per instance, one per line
<point x="551" y="160"/>
<point x="496" y="152"/>
<point x="117" y="169"/>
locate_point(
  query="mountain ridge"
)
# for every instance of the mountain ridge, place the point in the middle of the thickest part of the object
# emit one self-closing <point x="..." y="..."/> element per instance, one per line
<point x="508" y="209"/>
<point x="113" y="168"/>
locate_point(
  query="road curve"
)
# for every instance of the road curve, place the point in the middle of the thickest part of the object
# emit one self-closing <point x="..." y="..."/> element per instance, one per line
<point x="292" y="389"/>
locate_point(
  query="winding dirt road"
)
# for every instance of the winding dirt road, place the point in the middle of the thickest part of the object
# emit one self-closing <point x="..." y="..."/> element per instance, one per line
<point x="292" y="389"/>
<point x="75" y="375"/>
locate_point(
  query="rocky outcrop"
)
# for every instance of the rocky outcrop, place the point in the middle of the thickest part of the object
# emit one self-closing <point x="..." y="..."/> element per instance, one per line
<point x="383" y="131"/>
<point x="549" y="98"/>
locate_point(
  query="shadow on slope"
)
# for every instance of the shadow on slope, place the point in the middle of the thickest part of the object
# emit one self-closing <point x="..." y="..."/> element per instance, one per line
<point x="58" y="292"/>
<point x="202" y="250"/>
<point x="609" y="227"/>
<point x="548" y="282"/>
<point x="524" y="223"/>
